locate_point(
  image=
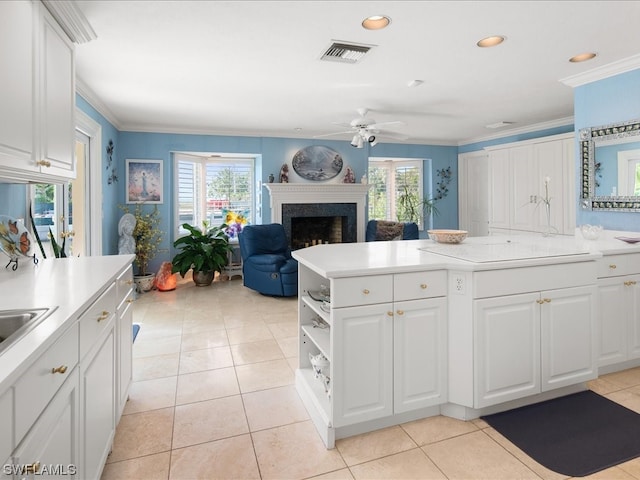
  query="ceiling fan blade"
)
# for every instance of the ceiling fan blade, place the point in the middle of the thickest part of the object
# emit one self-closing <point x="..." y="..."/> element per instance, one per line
<point x="397" y="136"/>
<point x="331" y="134"/>
<point x="379" y="124"/>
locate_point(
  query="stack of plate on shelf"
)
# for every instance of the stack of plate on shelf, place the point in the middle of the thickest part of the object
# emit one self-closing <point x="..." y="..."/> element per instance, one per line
<point x="320" y="365"/>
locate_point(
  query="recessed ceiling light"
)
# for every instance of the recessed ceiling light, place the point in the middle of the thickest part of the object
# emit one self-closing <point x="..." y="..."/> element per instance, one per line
<point x="376" y="22"/>
<point x="583" y="57"/>
<point x="491" y="41"/>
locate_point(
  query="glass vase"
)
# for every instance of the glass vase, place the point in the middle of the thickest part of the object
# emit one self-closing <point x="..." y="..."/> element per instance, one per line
<point x="548" y="229"/>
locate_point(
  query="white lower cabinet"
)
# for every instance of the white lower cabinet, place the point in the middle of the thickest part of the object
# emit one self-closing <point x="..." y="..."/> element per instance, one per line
<point x="59" y="417"/>
<point x="385" y="357"/>
<point x="124" y="334"/>
<point x="419" y="354"/>
<point x="50" y="449"/>
<point x="533" y="342"/>
<point x="619" y="309"/>
<point x="362" y="381"/>
<point x="97" y="380"/>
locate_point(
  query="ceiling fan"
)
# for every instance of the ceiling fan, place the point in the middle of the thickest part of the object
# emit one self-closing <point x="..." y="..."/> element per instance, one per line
<point x="366" y="130"/>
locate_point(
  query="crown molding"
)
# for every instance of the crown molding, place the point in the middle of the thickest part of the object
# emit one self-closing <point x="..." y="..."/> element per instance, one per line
<point x="605" y="71"/>
<point x="92" y="99"/>
<point x="536" y="127"/>
<point x="71" y="19"/>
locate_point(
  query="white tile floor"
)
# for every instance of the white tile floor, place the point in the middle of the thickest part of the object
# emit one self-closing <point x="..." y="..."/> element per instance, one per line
<point x="213" y="397"/>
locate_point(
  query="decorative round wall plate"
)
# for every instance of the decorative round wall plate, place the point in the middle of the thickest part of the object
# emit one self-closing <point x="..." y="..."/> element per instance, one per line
<point x="317" y="163"/>
<point x="15" y="239"/>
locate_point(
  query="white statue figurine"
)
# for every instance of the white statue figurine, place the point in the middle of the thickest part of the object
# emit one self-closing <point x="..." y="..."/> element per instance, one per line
<point x="126" y="244"/>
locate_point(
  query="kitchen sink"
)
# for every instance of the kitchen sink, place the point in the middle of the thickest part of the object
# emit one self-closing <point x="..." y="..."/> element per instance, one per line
<point x="16" y="323"/>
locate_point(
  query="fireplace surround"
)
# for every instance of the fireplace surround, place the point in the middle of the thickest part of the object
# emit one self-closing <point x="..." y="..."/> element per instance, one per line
<point x="339" y="207"/>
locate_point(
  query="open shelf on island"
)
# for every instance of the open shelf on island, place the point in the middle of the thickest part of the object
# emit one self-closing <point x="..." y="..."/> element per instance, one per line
<point x="316" y="306"/>
<point x="320" y="337"/>
<point x="315" y="389"/>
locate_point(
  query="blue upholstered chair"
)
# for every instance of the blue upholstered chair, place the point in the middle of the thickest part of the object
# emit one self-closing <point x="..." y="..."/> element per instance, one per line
<point x="409" y="232"/>
<point x="267" y="265"/>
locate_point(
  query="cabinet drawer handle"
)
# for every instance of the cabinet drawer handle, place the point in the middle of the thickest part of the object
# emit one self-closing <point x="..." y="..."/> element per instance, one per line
<point x="629" y="283"/>
<point x="423" y="286"/>
<point x="390" y="313"/>
<point x="540" y="301"/>
<point x="130" y="300"/>
<point x="546" y="300"/>
<point x="33" y="468"/>
<point x="400" y="312"/>
<point x="43" y="163"/>
<point x="104" y="316"/>
<point x="612" y="266"/>
<point x="60" y="369"/>
<point x="365" y="291"/>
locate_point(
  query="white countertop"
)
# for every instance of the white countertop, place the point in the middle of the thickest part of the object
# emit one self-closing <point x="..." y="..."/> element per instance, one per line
<point x="474" y="254"/>
<point x="70" y="284"/>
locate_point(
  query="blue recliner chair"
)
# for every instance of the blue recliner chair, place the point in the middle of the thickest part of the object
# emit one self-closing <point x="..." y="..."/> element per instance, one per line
<point x="372" y="234"/>
<point x="267" y="265"/>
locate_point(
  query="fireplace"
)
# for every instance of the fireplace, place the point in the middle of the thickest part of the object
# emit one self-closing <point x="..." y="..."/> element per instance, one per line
<point x="312" y="214"/>
<point x="308" y="224"/>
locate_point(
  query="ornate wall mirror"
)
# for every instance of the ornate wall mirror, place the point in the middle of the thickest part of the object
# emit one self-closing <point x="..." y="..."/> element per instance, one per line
<point x="610" y="158"/>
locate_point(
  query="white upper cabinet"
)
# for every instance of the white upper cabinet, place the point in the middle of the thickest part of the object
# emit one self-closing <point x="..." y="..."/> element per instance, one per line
<point x="17" y="119"/>
<point x="517" y="173"/>
<point x="37" y="93"/>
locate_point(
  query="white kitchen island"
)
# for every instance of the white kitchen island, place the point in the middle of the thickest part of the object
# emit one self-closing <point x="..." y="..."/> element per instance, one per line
<point x="417" y="329"/>
<point x="64" y="383"/>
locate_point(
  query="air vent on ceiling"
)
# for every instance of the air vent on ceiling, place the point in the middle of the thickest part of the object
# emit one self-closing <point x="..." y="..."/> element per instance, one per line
<point x="345" y="52"/>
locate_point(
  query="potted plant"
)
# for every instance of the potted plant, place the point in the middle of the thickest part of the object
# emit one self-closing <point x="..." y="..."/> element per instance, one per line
<point x="412" y="208"/>
<point x="148" y="237"/>
<point x="204" y="250"/>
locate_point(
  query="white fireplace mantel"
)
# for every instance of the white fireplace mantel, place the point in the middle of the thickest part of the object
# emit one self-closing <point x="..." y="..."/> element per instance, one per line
<point x="287" y="193"/>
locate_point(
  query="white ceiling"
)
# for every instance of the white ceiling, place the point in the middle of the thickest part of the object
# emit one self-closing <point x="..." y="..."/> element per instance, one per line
<point x="253" y="68"/>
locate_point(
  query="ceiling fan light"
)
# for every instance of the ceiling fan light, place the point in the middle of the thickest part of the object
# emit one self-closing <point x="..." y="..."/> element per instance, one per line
<point x="373" y="142"/>
<point x="376" y="22"/>
<point x="354" y="142"/>
<point x="371" y="138"/>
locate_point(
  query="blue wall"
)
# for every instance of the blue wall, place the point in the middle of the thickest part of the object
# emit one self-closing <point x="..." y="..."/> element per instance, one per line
<point x="110" y="193"/>
<point x="612" y="100"/>
<point x="271" y="154"/>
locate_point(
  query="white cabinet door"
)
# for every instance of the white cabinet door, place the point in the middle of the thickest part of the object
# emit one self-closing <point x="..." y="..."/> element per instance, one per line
<point x="567" y="328"/>
<point x="499" y="189"/>
<point x="97" y="396"/>
<point x="613" y="320"/>
<point x="57" y="99"/>
<point x="124" y="358"/>
<point x="523" y="187"/>
<point x="50" y="449"/>
<point x="362" y="348"/>
<point x="420" y="354"/>
<point x="507" y="348"/>
<point x="6" y="420"/>
<point x="632" y="284"/>
<point x="17" y="86"/>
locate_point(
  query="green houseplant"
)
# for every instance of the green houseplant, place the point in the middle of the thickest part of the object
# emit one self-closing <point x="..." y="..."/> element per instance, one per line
<point x="205" y="250"/>
<point x="412" y="208"/>
<point x="148" y="237"/>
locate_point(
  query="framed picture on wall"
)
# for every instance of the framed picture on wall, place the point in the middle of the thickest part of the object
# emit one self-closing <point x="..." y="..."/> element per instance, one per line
<point x="144" y="181"/>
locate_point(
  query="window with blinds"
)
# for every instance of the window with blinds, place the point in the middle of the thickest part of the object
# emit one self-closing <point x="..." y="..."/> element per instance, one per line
<point x="209" y="186"/>
<point x="392" y="181"/>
